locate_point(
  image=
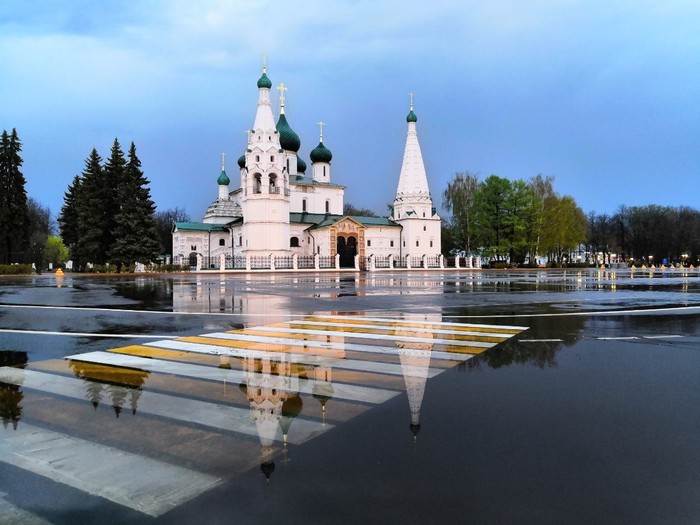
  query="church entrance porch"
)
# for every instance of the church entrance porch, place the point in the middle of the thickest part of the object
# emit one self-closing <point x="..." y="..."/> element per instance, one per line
<point x="347" y="240"/>
<point x="347" y="249"/>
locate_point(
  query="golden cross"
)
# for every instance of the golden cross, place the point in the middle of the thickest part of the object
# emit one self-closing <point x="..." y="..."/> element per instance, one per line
<point x="410" y="95"/>
<point x="223" y="161"/>
<point x="282" y="88"/>
<point x="321" y="124"/>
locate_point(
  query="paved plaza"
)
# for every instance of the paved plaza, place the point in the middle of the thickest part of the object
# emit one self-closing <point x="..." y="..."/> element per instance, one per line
<point x="510" y="397"/>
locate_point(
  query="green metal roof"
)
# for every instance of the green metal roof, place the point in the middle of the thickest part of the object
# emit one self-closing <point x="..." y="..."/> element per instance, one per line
<point x="303" y="180"/>
<point x="321" y="153"/>
<point x="264" y="82"/>
<point x="322" y="220"/>
<point x="411" y="117"/>
<point x="223" y="179"/>
<point x="200" y="227"/>
<point x="289" y="140"/>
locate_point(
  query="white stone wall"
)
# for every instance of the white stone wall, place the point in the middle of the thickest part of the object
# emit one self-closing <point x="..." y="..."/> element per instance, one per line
<point x="316" y="197"/>
<point x="379" y="239"/>
<point x="423" y="231"/>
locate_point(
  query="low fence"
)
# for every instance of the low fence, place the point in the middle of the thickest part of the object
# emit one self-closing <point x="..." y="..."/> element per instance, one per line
<point x="296" y="262"/>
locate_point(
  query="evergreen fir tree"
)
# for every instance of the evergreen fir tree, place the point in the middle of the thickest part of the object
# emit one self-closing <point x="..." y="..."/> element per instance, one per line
<point x="90" y="214"/>
<point x="113" y="176"/>
<point x="135" y="227"/>
<point x="68" y="220"/>
<point x="14" y="215"/>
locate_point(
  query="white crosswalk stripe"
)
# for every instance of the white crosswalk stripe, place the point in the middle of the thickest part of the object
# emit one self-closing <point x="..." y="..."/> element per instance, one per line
<point x="348" y="363"/>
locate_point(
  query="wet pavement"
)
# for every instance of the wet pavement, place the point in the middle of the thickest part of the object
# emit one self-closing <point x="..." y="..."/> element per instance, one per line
<point x="562" y="396"/>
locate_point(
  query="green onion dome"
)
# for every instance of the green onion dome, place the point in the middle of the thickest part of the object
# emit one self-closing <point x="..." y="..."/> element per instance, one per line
<point x="288" y="139"/>
<point x="223" y="179"/>
<point x="411" y="117"/>
<point x="301" y="165"/>
<point x="241" y="161"/>
<point x="264" y="82"/>
<point x="321" y="153"/>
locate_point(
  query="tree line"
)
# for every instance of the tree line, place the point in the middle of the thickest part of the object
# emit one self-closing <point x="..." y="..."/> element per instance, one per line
<point x="511" y="221"/>
<point x="108" y="214"/>
<point x="647" y="234"/>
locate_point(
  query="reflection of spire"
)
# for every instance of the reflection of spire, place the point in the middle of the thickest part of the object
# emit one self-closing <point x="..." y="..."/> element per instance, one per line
<point x="323" y="387"/>
<point x="415" y="362"/>
<point x="267" y="386"/>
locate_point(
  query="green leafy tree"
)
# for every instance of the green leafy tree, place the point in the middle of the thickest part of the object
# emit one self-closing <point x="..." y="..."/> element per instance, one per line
<point x="519" y="204"/>
<point x="349" y="209"/>
<point x="55" y="252"/>
<point x="164" y="226"/>
<point x="134" y="233"/>
<point x="542" y="189"/>
<point x="459" y="199"/>
<point x="39" y="230"/>
<point x="491" y="217"/>
<point x="14" y="215"/>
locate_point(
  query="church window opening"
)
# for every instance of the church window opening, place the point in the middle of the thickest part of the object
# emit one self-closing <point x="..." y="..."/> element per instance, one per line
<point x="424" y="226"/>
<point x="294" y="242"/>
<point x="303" y="204"/>
<point x="318" y="250"/>
<point x="240" y="240"/>
<point x="328" y="206"/>
<point x="423" y="214"/>
<point x="257" y="158"/>
<point x="272" y="159"/>
<point x="222" y="242"/>
<point x="369" y="242"/>
<point x="273" y="184"/>
<point x="431" y="244"/>
<point x="287" y="165"/>
<point x="193" y="248"/>
<point x="417" y="244"/>
<point x="391" y="243"/>
<point x="257" y="183"/>
<point x="324" y="171"/>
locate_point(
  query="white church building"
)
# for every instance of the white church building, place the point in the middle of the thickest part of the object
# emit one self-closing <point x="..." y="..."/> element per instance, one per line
<point x="280" y="210"/>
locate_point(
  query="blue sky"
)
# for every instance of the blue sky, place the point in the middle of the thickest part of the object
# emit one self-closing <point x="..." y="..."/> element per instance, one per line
<point x="604" y="96"/>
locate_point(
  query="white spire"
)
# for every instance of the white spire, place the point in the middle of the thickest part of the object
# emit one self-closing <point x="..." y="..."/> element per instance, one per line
<point x="413" y="182"/>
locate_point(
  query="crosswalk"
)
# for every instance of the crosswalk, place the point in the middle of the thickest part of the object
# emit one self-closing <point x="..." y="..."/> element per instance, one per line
<point x="152" y="426"/>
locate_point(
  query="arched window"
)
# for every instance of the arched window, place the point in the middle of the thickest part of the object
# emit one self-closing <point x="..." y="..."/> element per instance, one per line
<point x="328" y="206"/>
<point x="294" y="242"/>
<point x="257" y="183"/>
<point x="303" y="205"/>
<point x="273" y="184"/>
<point x="257" y="158"/>
<point x="222" y="242"/>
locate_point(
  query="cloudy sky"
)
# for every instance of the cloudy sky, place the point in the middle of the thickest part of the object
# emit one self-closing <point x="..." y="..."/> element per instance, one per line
<point x="602" y="95"/>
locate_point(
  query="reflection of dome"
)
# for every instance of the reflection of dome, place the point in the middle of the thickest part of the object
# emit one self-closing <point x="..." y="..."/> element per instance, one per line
<point x="267" y="468"/>
<point x="415" y="429"/>
<point x="291" y="408"/>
